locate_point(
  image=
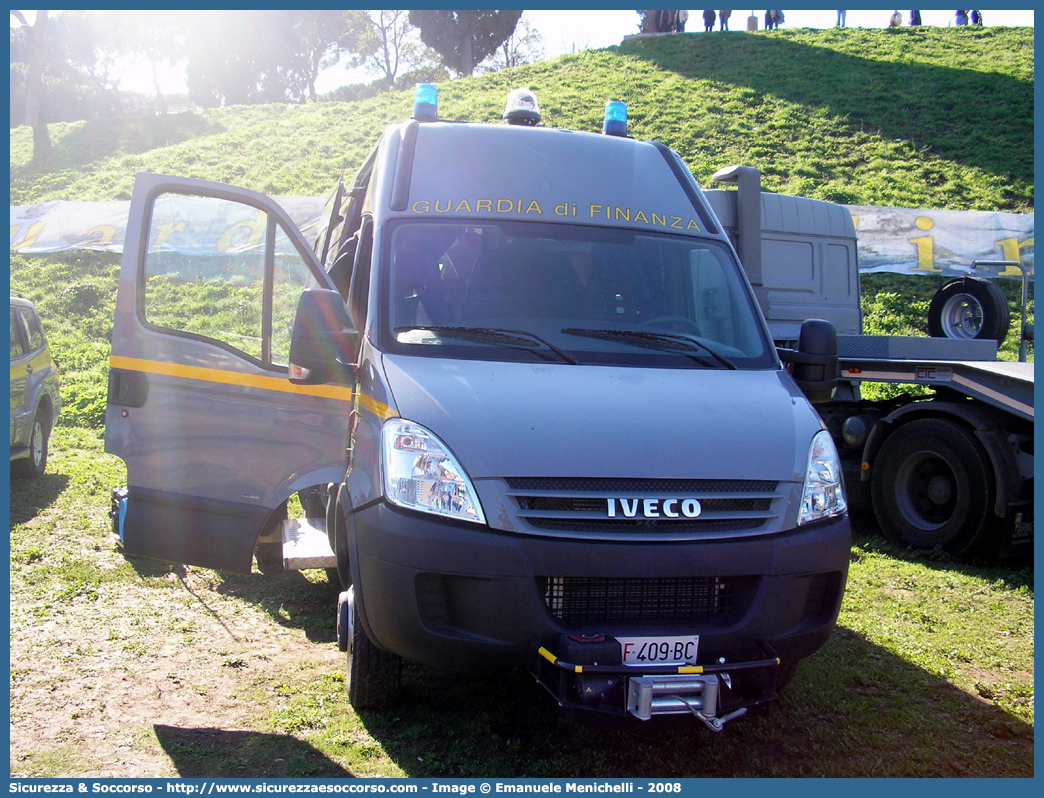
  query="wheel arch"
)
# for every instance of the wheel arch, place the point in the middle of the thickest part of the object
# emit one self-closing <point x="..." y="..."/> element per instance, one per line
<point x="986" y="427"/>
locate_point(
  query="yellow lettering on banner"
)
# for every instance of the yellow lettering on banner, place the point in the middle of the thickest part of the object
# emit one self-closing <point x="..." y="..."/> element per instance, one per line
<point x="676" y="222"/>
<point x="484" y="205"/>
<point x="449" y="204"/>
<point x="505" y="206"/>
<point x="562" y="210"/>
<point x="925" y="247"/>
<point x="104" y="233"/>
<point x="692" y="225"/>
<point x="30" y="237"/>
<point x="594" y="212"/>
<point x="641" y="217"/>
<point x="625" y="213"/>
<point x="657" y="219"/>
<point x="164" y="231"/>
<point x="255" y="228"/>
<point x="1012" y="249"/>
<point x="421" y="206"/>
<point x="534" y="207"/>
<point x="462" y="206"/>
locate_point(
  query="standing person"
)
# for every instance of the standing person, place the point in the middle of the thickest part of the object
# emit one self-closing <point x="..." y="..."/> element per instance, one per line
<point x="777" y="19"/>
<point x="683" y="17"/>
<point x="708" y="21"/>
<point x="915" y="19"/>
<point x="896" y="20"/>
<point x="723" y="16"/>
<point x="840" y="19"/>
<point x="962" y="17"/>
<point x="976" y="17"/>
<point x="768" y="20"/>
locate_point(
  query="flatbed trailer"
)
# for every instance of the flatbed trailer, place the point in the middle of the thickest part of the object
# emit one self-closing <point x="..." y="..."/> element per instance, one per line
<point x="951" y="466"/>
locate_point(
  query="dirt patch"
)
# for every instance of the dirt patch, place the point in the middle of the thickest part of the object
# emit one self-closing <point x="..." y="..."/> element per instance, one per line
<point x="93" y="677"/>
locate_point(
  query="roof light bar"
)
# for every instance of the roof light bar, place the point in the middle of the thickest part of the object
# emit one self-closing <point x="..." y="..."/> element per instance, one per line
<point x="615" y="123"/>
<point x="522" y="108"/>
<point x="426" y="102"/>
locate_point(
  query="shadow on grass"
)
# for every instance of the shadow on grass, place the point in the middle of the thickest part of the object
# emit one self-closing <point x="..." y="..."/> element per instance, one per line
<point x="99" y="138"/>
<point x="1013" y="573"/>
<point x="30" y="496"/>
<point x="289" y="599"/>
<point x="854" y="709"/>
<point x="979" y="119"/>
<point x="243" y="754"/>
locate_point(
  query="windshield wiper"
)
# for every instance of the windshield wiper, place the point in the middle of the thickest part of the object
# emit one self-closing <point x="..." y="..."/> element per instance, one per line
<point x="656" y="340"/>
<point x="516" y="338"/>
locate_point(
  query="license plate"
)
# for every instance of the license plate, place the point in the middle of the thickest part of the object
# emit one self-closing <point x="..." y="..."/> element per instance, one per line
<point x="659" y="650"/>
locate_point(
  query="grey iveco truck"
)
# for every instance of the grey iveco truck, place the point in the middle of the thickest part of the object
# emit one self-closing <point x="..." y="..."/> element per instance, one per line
<point x="547" y="420"/>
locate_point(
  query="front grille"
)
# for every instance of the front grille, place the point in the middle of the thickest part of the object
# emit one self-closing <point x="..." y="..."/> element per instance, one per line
<point x="627" y="485"/>
<point x="622" y="507"/>
<point x="646" y="525"/>
<point x="587" y="600"/>
<point x="572" y="504"/>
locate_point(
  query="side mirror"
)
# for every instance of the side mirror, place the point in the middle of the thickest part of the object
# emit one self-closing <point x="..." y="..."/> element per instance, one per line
<point x="325" y="344"/>
<point x="814" y="363"/>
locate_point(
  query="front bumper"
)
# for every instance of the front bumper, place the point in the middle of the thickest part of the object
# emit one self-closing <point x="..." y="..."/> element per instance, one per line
<point x="467" y="598"/>
<point x="713" y="693"/>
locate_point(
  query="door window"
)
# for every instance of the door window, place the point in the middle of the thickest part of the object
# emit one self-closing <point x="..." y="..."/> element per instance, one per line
<point x="17" y="346"/>
<point x="33" y="329"/>
<point x="225" y="271"/>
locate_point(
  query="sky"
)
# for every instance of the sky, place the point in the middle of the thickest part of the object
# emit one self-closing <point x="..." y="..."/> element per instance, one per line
<point x="572" y="31"/>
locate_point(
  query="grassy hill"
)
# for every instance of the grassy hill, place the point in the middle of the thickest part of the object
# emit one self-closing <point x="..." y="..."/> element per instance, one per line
<point x="930" y="117"/>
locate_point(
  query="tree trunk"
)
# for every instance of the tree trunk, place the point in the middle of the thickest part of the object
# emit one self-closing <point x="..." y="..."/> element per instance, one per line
<point x="34" y="91"/>
<point x="161" y="101"/>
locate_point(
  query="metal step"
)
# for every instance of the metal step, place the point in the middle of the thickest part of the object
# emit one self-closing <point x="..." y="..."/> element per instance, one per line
<point x="305" y="545"/>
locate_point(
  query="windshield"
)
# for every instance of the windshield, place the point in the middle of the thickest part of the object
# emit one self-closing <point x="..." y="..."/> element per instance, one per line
<point x="572" y="294"/>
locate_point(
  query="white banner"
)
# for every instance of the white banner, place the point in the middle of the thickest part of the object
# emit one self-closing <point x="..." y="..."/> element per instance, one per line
<point x="910" y="241"/>
<point x="102" y="226"/>
<point x="901" y="240"/>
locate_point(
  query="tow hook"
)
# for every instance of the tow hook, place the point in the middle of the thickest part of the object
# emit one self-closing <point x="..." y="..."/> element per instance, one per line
<point x="717" y="724"/>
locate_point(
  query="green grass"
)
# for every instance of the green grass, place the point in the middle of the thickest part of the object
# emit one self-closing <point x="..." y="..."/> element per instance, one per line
<point x="930" y="672"/>
<point x="123" y="666"/>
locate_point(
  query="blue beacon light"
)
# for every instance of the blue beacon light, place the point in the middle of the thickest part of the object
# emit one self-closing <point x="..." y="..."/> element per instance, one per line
<point x="615" y="123"/>
<point x="426" y="102"/>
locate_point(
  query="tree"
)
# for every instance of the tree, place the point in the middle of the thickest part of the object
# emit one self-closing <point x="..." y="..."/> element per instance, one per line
<point x="523" y="46"/>
<point x="324" y="37"/>
<point x="395" y="46"/>
<point x="464" y="39"/>
<point x="36" y="49"/>
<point x="89" y="48"/>
<point x="158" y="36"/>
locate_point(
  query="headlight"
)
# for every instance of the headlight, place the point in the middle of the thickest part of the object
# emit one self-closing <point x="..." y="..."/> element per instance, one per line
<point x="823" y="494"/>
<point x="421" y="474"/>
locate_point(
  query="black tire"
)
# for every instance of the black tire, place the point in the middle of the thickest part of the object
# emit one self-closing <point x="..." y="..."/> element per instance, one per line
<point x="969" y="308"/>
<point x="372" y="675"/>
<point x="932" y="485"/>
<point x="269" y="556"/>
<point x="33" y="466"/>
<point x="339" y="543"/>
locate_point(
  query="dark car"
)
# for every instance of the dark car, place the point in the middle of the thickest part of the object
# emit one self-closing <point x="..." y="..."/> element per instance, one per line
<point x="35" y="402"/>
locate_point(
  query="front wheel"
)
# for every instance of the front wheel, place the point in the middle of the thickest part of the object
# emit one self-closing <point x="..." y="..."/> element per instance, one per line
<point x="932" y="485"/>
<point x="372" y="675"/>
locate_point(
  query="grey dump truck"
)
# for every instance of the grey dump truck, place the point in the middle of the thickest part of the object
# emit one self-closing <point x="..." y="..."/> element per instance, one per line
<point x="529" y="401"/>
